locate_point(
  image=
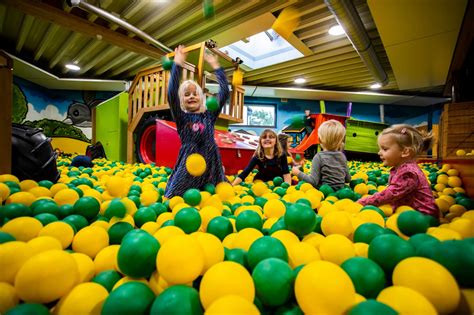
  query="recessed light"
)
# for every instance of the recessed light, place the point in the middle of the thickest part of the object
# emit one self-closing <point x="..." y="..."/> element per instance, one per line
<point x="300" y="80"/>
<point x="336" y="30"/>
<point x="376" y="86"/>
<point x="73" y="67"/>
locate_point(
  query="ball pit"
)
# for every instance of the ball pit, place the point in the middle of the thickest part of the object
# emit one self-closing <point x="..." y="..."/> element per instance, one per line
<point x="104" y="239"/>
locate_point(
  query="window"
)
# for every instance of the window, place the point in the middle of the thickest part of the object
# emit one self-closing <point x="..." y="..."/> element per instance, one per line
<point x="258" y="115"/>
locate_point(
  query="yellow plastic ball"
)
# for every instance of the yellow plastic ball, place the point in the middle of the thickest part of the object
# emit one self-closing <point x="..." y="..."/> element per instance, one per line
<point x="361" y="189"/>
<point x="236" y="303"/>
<point x="149" y="197"/>
<point x="336" y="249"/>
<point x="40" y="192"/>
<point x="329" y="283"/>
<point x="372" y="217"/>
<point x="454" y="181"/>
<point x="314" y="239"/>
<point x="207" y="214"/>
<point x="430" y="279"/>
<point x="23" y="228"/>
<point x="463" y="226"/>
<point x="225" y="191"/>
<point x="150" y="227"/>
<point x="86" y="298"/>
<point x="361" y="249"/>
<point x="444" y="234"/>
<point x="23" y="197"/>
<point x="288" y="238"/>
<point x="166" y="233"/>
<point x="405" y="300"/>
<point x="301" y="254"/>
<point x="117" y="186"/>
<point x="106" y="259"/>
<point x="180" y="260"/>
<point x="37" y="280"/>
<point x="44" y="243"/>
<point x="85" y="266"/>
<point x="12" y="256"/>
<point x="9" y="178"/>
<point x="8" y="297"/>
<point x="4" y="191"/>
<point x="61" y="231"/>
<point x="27" y="184"/>
<point x="196" y="164"/>
<point x="90" y="240"/>
<point x="66" y="196"/>
<point x="223" y="279"/>
<point x="259" y="189"/>
<point x="337" y="222"/>
<point x="460" y="152"/>
<point x="274" y="208"/>
<point x="228" y="241"/>
<point x="246" y="237"/>
<point x="212" y="248"/>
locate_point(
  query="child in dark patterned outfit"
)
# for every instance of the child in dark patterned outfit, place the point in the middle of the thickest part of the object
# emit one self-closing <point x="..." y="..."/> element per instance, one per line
<point x="195" y="126"/>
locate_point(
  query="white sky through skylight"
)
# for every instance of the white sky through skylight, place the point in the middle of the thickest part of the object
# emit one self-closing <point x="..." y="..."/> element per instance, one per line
<point x="262" y="49"/>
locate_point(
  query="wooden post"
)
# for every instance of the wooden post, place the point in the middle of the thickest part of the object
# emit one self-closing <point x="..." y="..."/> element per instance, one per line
<point x="6" y="95"/>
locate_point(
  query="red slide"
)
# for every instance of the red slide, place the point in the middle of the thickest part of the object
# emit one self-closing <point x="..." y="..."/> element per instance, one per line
<point x="308" y="141"/>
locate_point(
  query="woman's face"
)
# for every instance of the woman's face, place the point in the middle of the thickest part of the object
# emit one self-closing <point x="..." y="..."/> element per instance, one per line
<point x="268" y="140"/>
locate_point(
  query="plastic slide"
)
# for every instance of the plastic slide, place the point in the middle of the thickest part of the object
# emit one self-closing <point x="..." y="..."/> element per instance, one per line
<point x="308" y="141"/>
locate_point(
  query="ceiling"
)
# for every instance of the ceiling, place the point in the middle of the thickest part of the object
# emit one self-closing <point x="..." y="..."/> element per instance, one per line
<point x="414" y="41"/>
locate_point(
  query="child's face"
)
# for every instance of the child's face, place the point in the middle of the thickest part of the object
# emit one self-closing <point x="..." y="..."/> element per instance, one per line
<point x="192" y="100"/>
<point x="268" y="140"/>
<point x="390" y="152"/>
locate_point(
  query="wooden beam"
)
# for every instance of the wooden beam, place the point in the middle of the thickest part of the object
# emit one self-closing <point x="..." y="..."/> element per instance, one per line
<point x="52" y="29"/>
<point x="77" y="24"/>
<point x="25" y="28"/>
<point x="6" y="95"/>
<point x="114" y="62"/>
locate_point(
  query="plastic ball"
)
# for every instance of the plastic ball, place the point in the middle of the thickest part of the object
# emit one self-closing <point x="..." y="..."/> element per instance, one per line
<point x="405" y="300"/>
<point x="220" y="227"/>
<point x="85" y="298"/>
<point x="431" y="279"/>
<point x="23" y="228"/>
<point x="273" y="280"/>
<point x="337" y="222"/>
<point x="188" y="219"/>
<point x="212" y="249"/>
<point x="196" y="164"/>
<point x="177" y="299"/>
<point x="211" y="104"/>
<point x="61" y="231"/>
<point x="180" y="260"/>
<point x="372" y="307"/>
<point x="329" y="283"/>
<point x="129" y="298"/>
<point x="367" y="276"/>
<point x="388" y="250"/>
<point x="412" y="222"/>
<point x="37" y="282"/>
<point x="236" y="303"/>
<point x="266" y="247"/>
<point x="336" y="249"/>
<point x="301" y="254"/>
<point x="223" y="279"/>
<point x="300" y="219"/>
<point x="90" y="240"/>
<point x="166" y="63"/>
<point x="137" y="254"/>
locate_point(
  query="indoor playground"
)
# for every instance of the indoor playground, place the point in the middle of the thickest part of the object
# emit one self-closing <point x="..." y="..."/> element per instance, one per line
<point x="236" y="157"/>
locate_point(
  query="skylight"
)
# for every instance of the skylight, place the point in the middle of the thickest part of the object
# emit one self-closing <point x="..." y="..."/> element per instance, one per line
<point x="262" y="49"/>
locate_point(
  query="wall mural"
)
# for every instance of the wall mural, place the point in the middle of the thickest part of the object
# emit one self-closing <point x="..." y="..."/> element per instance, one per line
<point x="64" y="115"/>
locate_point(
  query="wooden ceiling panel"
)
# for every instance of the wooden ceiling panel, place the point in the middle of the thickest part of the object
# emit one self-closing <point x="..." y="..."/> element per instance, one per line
<point x="71" y="36"/>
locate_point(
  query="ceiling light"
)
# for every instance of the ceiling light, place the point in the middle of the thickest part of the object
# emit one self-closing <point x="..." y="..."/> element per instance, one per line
<point x="336" y="30"/>
<point x="300" y="80"/>
<point x="73" y="67"/>
<point x="376" y="86"/>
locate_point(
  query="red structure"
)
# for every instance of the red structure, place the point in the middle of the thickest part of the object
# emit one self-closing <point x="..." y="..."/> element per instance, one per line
<point x="313" y="138"/>
<point x="236" y="150"/>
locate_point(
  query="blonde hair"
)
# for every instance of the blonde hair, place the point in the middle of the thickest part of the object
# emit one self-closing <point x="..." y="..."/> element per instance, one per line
<point x="260" y="153"/>
<point x="407" y="136"/>
<point x="331" y="135"/>
<point x="182" y="90"/>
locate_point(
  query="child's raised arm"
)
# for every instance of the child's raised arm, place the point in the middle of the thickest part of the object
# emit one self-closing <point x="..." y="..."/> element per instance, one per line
<point x="173" y="85"/>
<point x="223" y="93"/>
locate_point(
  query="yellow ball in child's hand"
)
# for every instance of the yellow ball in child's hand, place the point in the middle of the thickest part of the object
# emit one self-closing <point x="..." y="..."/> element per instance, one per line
<point x="195" y="164"/>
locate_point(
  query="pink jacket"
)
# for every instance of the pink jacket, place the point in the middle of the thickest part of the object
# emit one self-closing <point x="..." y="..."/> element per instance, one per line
<point x="408" y="186"/>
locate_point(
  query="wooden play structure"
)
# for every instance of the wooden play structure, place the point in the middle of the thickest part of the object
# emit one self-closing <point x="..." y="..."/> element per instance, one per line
<point x="148" y="96"/>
